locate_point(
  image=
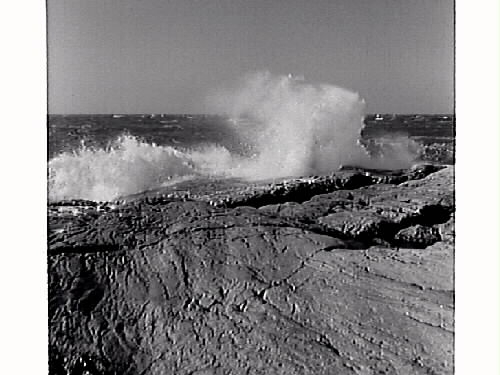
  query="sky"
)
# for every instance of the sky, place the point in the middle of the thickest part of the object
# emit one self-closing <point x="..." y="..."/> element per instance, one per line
<point x="165" y="56"/>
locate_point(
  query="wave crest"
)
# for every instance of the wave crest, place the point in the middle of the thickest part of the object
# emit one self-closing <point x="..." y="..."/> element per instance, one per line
<point x="293" y="128"/>
<point x="127" y="166"/>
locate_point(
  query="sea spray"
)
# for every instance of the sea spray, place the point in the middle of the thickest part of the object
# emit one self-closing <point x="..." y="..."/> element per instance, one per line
<point x="297" y="128"/>
<point x="286" y="127"/>
<point x="126" y="166"/>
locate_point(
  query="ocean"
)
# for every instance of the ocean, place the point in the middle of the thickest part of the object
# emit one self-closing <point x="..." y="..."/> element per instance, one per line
<point x="67" y="133"/>
<point x="104" y="157"/>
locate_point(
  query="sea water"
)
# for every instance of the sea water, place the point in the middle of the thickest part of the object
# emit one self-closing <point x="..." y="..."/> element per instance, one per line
<point x="269" y="127"/>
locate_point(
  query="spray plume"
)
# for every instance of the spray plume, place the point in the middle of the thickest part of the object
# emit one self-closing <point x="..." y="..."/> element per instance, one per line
<point x="291" y="128"/>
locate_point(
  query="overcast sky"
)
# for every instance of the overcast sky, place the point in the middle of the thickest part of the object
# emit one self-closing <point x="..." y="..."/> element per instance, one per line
<point x="164" y="56"/>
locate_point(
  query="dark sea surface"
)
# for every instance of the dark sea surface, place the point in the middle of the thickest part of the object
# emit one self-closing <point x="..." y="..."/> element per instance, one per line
<point x="102" y="157"/>
<point x="67" y="132"/>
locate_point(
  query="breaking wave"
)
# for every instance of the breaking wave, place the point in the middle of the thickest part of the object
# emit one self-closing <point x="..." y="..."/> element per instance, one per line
<point x="293" y="128"/>
<point x="128" y="166"/>
<point x="297" y="128"/>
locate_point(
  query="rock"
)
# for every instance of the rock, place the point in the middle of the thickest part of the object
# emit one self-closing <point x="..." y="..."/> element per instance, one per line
<point x="447" y="230"/>
<point x="361" y="224"/>
<point x="417" y="236"/>
<point x="158" y="286"/>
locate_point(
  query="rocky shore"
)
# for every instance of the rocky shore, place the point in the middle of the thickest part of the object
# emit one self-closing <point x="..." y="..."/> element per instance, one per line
<point x="350" y="273"/>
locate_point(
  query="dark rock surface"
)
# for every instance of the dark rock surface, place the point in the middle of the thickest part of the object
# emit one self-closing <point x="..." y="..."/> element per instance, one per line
<point x="345" y="274"/>
<point x="419" y="236"/>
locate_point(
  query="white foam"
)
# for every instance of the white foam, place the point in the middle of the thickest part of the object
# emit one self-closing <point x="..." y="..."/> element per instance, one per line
<point x="102" y="174"/>
<point x="298" y="128"/>
<point x="294" y="129"/>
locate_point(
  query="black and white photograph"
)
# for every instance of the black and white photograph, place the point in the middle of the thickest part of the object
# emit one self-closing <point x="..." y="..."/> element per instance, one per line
<point x="246" y="187"/>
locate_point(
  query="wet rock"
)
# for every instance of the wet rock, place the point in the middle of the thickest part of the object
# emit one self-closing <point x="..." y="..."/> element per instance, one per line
<point x="156" y="286"/>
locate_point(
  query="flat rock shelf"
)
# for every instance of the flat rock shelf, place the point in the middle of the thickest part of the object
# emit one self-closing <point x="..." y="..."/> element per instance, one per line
<point x="350" y="273"/>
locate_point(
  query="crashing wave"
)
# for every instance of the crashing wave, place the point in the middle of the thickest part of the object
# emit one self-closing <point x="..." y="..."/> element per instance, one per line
<point x="293" y="129"/>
